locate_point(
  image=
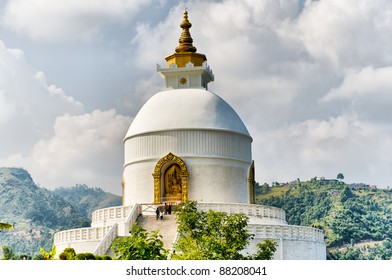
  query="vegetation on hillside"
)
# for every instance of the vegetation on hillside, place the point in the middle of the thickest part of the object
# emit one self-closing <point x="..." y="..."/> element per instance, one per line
<point x="86" y="199"/>
<point x="348" y="215"/>
<point x="37" y="213"/>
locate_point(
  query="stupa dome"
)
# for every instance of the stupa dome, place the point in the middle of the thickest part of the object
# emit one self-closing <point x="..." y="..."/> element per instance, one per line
<point x="190" y="108"/>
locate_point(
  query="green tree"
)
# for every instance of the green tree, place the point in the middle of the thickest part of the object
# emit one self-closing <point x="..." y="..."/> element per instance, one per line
<point x="346" y="194"/>
<point x="85" y="256"/>
<point x="48" y="255"/>
<point x="213" y="235"/>
<point x="8" y="254"/>
<point x="140" y="245"/>
<point x="340" y="176"/>
<point x="68" y="254"/>
<point x="265" y="250"/>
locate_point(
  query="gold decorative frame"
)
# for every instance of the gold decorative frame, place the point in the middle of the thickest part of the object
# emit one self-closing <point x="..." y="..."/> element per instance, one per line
<point x="170" y="158"/>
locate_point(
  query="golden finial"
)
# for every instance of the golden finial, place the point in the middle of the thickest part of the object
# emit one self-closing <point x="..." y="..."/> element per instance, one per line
<point x="185" y="52"/>
<point x="185" y="39"/>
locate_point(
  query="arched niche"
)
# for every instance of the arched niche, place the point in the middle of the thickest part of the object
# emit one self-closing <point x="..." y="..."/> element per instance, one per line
<point x="170" y="180"/>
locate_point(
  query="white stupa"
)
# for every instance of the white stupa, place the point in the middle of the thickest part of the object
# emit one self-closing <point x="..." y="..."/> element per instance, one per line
<point x="187" y="143"/>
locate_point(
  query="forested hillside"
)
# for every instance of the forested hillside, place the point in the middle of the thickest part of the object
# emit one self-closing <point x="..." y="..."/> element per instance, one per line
<point x="85" y="199"/>
<point x="37" y="213"/>
<point x="357" y="221"/>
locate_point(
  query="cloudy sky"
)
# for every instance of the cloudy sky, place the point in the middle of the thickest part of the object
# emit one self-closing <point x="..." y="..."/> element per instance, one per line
<point x="312" y="81"/>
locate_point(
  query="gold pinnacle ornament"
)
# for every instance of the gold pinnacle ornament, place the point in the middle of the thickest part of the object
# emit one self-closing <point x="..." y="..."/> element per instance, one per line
<point x="185" y="52"/>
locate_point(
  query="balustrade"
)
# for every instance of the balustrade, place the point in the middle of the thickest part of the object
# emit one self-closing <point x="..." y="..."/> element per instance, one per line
<point x="286" y="232"/>
<point x="260" y="211"/>
<point x="118" y="212"/>
<point x="81" y="234"/>
<point x="128" y="214"/>
<point x="106" y="242"/>
<point x="132" y="216"/>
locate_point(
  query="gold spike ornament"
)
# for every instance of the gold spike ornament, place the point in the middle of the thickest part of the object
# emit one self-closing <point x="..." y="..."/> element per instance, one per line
<point x="185" y="52"/>
<point x="185" y="39"/>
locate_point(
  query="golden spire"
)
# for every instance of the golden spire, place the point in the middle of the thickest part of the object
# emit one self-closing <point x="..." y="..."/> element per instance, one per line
<point x="185" y="51"/>
<point x="185" y="39"/>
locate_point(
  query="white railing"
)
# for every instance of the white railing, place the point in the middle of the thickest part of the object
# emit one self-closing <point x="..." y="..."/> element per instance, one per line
<point x="132" y="216"/>
<point x="100" y="232"/>
<point x="107" y="241"/>
<point x="260" y="211"/>
<point x="81" y="234"/>
<point x="110" y="213"/>
<point x="286" y="232"/>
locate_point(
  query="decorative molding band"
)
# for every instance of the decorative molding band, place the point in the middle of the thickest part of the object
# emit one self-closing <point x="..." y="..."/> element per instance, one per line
<point x="197" y="143"/>
<point x="154" y="160"/>
<point x="189" y="129"/>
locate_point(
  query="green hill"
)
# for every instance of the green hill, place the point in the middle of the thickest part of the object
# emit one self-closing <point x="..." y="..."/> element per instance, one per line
<point x="86" y="200"/>
<point x="37" y="213"/>
<point x="356" y="219"/>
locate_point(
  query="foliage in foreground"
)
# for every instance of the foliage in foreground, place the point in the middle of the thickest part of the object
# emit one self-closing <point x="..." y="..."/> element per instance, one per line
<point x="140" y="245"/>
<point x="48" y="255"/>
<point x="215" y="236"/>
<point x="70" y="254"/>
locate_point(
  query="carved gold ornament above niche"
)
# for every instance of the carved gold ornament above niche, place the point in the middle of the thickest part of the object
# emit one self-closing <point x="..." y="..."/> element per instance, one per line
<point x="183" y="81"/>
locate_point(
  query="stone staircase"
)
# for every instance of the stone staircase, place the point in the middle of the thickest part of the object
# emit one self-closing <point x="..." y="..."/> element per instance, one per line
<point x="167" y="227"/>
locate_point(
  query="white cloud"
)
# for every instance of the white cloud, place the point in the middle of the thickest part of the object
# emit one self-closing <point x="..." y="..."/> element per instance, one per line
<point x="6" y="109"/>
<point x="366" y="91"/>
<point x="27" y="87"/>
<point x="56" y="92"/>
<point x="358" y="148"/>
<point x="47" y="132"/>
<point x="351" y="32"/>
<point x="84" y="149"/>
<point x="71" y="19"/>
<point x="142" y="91"/>
<point x="29" y="106"/>
<point x="364" y="82"/>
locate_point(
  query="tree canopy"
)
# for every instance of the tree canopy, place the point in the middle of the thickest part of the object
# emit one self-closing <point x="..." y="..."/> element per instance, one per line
<point x="140" y="245"/>
<point x="340" y="176"/>
<point x="215" y="236"/>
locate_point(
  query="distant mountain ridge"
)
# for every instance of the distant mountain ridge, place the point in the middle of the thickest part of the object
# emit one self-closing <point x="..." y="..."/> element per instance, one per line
<point x="86" y="200"/>
<point x="37" y="213"/>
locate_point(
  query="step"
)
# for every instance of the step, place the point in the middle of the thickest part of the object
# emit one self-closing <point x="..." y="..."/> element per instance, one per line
<point x="167" y="227"/>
